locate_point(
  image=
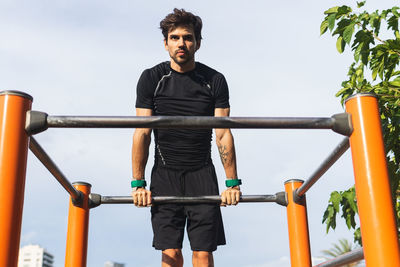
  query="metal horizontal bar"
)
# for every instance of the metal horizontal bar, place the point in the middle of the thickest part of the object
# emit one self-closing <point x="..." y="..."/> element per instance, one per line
<point x="39" y="152"/>
<point x="324" y="167"/>
<point x="97" y="199"/>
<point x="352" y="256"/>
<point x="186" y="200"/>
<point x="196" y="122"/>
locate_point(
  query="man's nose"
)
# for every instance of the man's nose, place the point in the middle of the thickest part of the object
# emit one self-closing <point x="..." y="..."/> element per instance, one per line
<point x="181" y="42"/>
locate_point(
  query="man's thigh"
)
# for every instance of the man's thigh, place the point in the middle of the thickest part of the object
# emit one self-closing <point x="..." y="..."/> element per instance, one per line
<point x="168" y="220"/>
<point x="204" y="221"/>
<point x="205" y="227"/>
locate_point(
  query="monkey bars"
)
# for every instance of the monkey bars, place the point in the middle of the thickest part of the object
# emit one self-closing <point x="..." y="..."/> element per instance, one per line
<point x="361" y="124"/>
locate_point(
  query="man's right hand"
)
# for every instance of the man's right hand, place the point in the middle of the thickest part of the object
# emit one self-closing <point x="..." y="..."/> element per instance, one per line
<point x="141" y="197"/>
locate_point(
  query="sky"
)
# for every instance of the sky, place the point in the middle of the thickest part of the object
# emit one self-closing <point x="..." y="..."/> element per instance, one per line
<point x="85" y="58"/>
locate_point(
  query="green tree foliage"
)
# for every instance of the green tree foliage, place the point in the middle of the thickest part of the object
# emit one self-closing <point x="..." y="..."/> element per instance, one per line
<point x="343" y="247"/>
<point x="375" y="69"/>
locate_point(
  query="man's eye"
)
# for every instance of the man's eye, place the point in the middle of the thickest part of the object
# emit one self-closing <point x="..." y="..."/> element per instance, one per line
<point x="173" y="37"/>
<point x="189" y="38"/>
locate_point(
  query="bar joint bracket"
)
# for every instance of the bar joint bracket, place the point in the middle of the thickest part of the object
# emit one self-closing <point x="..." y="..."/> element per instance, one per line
<point x="342" y="124"/>
<point x="36" y="122"/>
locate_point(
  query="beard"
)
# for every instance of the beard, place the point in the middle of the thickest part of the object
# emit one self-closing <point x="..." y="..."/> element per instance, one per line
<point x="182" y="60"/>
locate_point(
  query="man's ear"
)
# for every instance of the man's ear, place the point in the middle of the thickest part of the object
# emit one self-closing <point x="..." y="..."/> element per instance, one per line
<point x="198" y="45"/>
<point x="166" y="44"/>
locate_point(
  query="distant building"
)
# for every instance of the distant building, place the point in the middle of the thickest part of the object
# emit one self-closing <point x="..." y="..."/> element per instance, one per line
<point x="34" y="256"/>
<point x="113" y="264"/>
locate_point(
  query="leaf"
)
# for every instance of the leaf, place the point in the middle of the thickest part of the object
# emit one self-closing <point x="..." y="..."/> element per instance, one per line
<point x="393" y="23"/>
<point x="329" y="218"/>
<point x="342" y="91"/>
<point x="332" y="10"/>
<point x="381" y="68"/>
<point x="340" y="44"/>
<point x="358" y="51"/>
<point x="394" y="11"/>
<point x="348" y="33"/>
<point x="332" y="218"/>
<point x="348" y="222"/>
<point x="360" y="4"/>
<point x="395" y="83"/>
<point x="393" y="44"/>
<point x="326" y="215"/>
<point x="372" y="18"/>
<point x="396" y="73"/>
<point x="385" y="13"/>
<point x="350" y="196"/>
<point x="331" y="21"/>
<point x="377" y="26"/>
<point x="323" y="27"/>
<point x="335" y="200"/>
<point x="366" y="38"/>
<point x="343" y="10"/>
<point x="341" y="26"/>
<point x="357" y="236"/>
<point x="374" y="73"/>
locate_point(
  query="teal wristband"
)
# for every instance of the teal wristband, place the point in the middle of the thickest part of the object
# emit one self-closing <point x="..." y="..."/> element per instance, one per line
<point x="233" y="182"/>
<point x="138" y="183"/>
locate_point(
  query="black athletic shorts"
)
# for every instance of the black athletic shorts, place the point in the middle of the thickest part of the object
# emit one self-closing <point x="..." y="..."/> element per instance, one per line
<point x="204" y="221"/>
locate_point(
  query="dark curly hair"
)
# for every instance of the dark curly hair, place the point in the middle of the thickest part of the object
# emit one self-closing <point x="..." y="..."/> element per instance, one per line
<point x="180" y="17"/>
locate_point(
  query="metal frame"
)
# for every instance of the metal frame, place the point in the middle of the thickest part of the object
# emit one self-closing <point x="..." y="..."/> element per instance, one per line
<point x="350" y="257"/>
<point x="299" y="239"/>
<point x="374" y="200"/>
<point x="39" y="152"/>
<point x="323" y="168"/>
<point x="13" y="160"/>
<point x="78" y="228"/>
<point x="381" y="246"/>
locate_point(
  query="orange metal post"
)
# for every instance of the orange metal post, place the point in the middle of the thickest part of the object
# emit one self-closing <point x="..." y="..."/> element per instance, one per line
<point x="378" y="225"/>
<point x="78" y="226"/>
<point x="299" y="241"/>
<point x="13" y="156"/>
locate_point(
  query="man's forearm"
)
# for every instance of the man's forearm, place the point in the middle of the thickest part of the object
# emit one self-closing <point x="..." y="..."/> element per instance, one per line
<point x="226" y="148"/>
<point x="140" y="153"/>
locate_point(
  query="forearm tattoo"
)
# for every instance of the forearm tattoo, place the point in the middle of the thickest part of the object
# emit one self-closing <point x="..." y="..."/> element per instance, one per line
<point x="223" y="153"/>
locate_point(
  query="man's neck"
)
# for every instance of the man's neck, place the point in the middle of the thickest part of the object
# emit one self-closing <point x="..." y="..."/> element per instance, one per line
<point x="184" y="67"/>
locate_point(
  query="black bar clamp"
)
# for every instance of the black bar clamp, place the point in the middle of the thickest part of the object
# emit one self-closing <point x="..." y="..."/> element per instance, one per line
<point x="342" y="124"/>
<point x="36" y="122"/>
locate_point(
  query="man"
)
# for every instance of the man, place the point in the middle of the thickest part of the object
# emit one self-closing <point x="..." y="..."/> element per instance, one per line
<point x="183" y="166"/>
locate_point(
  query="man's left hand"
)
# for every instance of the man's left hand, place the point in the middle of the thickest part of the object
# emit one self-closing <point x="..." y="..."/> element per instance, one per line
<point x="231" y="196"/>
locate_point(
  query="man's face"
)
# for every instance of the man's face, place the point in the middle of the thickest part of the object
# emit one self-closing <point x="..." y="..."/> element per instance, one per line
<point x="181" y="45"/>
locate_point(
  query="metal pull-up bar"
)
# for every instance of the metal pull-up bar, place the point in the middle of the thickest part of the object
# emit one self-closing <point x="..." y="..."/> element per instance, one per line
<point x="39" y="121"/>
<point x="97" y="200"/>
<point x="361" y="123"/>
